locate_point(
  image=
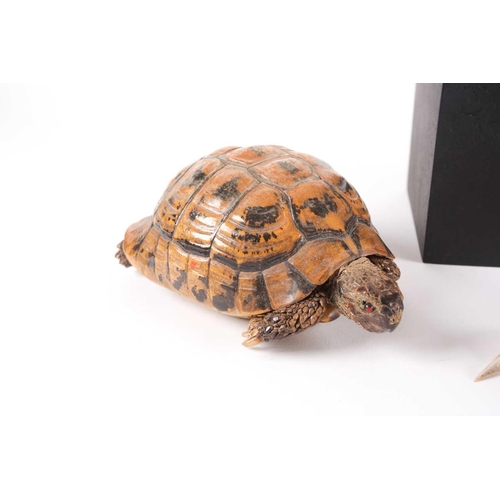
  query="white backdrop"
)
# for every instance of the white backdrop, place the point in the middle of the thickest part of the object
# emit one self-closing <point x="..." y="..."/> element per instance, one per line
<point x="112" y="387"/>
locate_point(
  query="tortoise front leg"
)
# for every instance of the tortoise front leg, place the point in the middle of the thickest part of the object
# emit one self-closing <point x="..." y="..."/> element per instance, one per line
<point x="289" y="320"/>
<point x="387" y="265"/>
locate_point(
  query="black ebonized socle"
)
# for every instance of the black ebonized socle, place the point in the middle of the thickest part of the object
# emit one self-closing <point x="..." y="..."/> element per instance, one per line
<point x="454" y="179"/>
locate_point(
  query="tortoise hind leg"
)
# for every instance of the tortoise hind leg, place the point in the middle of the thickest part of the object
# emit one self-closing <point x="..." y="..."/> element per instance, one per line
<point x="289" y="320"/>
<point x="120" y="255"/>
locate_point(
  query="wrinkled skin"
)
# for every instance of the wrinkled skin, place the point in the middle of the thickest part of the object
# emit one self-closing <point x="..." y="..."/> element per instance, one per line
<point x="366" y="291"/>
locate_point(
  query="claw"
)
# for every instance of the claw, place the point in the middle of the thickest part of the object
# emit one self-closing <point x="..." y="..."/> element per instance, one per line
<point x="492" y="369"/>
<point x="250" y="342"/>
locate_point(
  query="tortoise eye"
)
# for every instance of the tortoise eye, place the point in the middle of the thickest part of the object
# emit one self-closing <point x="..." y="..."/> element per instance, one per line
<point x="368" y="307"/>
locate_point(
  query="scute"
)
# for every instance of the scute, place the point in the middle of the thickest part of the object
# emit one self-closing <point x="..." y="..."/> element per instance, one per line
<point x="253" y="155"/>
<point x="284" y="172"/>
<point x="286" y="285"/>
<point x="249" y="230"/>
<point x="179" y="193"/>
<point x="319" y="211"/>
<point x="259" y="231"/>
<point x="201" y="217"/>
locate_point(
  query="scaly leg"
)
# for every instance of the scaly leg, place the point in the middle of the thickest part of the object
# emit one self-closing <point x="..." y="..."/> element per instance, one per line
<point x="387" y="265"/>
<point x="289" y="320"/>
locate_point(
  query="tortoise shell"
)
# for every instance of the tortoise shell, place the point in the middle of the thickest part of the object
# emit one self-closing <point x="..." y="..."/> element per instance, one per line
<point x="250" y="230"/>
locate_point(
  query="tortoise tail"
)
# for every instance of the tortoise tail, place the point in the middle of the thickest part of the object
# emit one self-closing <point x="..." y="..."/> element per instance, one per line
<point x="120" y="255"/>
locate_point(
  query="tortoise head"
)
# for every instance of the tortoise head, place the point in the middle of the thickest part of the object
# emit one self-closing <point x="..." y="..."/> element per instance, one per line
<point x="369" y="295"/>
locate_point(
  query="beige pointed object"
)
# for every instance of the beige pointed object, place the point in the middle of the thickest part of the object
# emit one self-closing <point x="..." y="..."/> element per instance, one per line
<point x="492" y="369"/>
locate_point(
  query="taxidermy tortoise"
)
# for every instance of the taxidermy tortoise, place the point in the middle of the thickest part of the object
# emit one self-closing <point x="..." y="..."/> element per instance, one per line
<point x="272" y="235"/>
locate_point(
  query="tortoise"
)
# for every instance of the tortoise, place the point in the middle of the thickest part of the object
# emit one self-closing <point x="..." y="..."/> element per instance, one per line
<point x="272" y="235"/>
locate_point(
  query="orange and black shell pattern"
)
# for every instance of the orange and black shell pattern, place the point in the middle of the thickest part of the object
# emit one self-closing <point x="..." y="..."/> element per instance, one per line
<point x="250" y="230"/>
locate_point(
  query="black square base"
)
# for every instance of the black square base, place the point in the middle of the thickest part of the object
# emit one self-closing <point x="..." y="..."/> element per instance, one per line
<point x="454" y="181"/>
